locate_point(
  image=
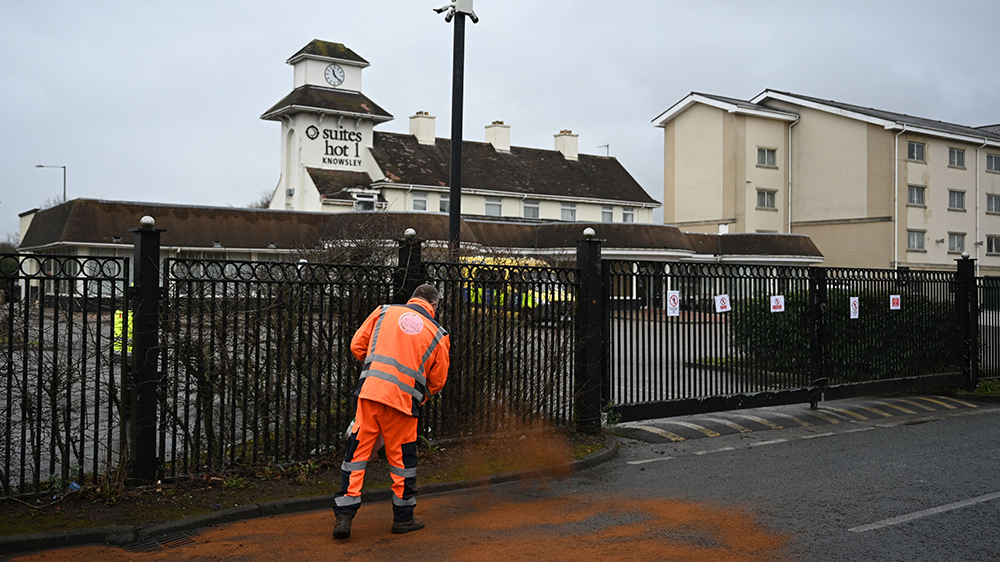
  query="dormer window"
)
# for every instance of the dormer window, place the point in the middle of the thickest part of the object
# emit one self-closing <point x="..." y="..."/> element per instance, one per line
<point x="364" y="201"/>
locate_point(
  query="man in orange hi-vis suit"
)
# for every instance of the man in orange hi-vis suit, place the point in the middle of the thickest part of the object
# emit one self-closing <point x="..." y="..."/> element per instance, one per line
<point x="405" y="355"/>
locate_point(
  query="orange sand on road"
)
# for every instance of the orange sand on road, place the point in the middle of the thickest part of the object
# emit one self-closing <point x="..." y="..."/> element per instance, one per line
<point x="471" y="527"/>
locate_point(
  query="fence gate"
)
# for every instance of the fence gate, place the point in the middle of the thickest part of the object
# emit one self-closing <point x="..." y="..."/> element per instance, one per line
<point x="693" y="338"/>
<point x="62" y="337"/>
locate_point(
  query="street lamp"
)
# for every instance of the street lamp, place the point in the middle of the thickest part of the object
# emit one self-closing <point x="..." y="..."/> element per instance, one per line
<point x="64" y="177"/>
<point x="459" y="8"/>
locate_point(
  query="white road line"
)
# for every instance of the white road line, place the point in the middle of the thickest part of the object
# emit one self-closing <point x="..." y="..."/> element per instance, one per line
<point x="925" y="513"/>
<point x="859" y="429"/>
<point x="651" y="460"/>
<point x="759" y="443"/>
<point x="817" y="435"/>
<point x="714" y="451"/>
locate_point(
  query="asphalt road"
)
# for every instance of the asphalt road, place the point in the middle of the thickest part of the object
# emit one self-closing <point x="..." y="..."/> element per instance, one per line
<point x="907" y="487"/>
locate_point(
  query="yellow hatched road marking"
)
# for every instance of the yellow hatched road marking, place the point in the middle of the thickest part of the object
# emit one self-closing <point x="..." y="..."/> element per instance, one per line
<point x="957" y="400"/>
<point x="847" y="412"/>
<point x="695" y="427"/>
<point x="917" y="404"/>
<point x="803" y="423"/>
<point x="933" y="401"/>
<point x="728" y="423"/>
<point x="875" y="411"/>
<point x="891" y="405"/>
<point x="657" y="431"/>
<point x="823" y="416"/>
<point x="761" y="421"/>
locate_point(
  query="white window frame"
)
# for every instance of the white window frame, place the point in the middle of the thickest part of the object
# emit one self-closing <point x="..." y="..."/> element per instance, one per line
<point x="628" y="214"/>
<point x="993" y="163"/>
<point x="911" y="195"/>
<point x="418" y="201"/>
<point x="992" y="244"/>
<point x="568" y="212"/>
<point x="956" y="242"/>
<point x="956" y="157"/>
<point x="769" y="196"/>
<point x="444" y="202"/>
<point x="363" y="200"/>
<point x="956" y="200"/>
<point x="916" y="151"/>
<point x="607" y="213"/>
<point x="532" y="209"/>
<point x="915" y="240"/>
<point x="767" y="157"/>
<point x="496" y="205"/>
<point x="992" y="204"/>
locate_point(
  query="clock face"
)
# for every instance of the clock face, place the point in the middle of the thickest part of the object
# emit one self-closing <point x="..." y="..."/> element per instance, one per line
<point x="334" y="75"/>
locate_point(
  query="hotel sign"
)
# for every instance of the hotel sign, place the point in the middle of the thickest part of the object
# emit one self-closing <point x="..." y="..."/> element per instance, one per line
<point x="340" y="147"/>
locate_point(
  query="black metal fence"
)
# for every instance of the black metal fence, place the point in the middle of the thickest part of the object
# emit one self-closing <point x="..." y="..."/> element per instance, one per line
<point x="61" y="380"/>
<point x="686" y="338"/>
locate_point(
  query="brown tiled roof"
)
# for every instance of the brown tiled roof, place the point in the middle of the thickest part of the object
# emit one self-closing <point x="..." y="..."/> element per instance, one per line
<point x="332" y="183"/>
<point x="309" y="97"/>
<point x="89" y="221"/>
<point x="526" y="171"/>
<point x="326" y="49"/>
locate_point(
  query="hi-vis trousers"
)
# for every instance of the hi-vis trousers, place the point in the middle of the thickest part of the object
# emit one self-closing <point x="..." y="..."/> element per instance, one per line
<point x="399" y="431"/>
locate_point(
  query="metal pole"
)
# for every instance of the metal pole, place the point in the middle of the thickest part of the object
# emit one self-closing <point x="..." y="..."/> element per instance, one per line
<point x="590" y="319"/>
<point x="64" y="184"/>
<point x="458" y="79"/>
<point x="145" y="371"/>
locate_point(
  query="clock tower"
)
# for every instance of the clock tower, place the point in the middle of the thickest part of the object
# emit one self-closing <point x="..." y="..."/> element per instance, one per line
<point x="326" y="130"/>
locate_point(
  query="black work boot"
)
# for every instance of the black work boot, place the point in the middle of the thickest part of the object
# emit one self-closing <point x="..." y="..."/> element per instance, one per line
<point x="342" y="529"/>
<point x="414" y="524"/>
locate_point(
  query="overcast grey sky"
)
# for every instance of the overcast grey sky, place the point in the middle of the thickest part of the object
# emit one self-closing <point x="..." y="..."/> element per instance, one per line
<point x="160" y="101"/>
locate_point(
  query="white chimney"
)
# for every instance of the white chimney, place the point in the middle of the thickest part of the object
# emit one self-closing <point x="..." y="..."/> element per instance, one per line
<point x="566" y="142"/>
<point x="498" y="135"/>
<point x="422" y="127"/>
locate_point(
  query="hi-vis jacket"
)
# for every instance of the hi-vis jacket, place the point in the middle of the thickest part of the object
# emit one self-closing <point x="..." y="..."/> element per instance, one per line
<point x="405" y="352"/>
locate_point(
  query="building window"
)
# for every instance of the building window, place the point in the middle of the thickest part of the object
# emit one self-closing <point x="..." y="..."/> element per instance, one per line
<point x="443" y="203"/>
<point x="531" y="209"/>
<point x="568" y="211"/>
<point x="767" y="157"/>
<point x="915" y="195"/>
<point x="993" y="162"/>
<point x="765" y="199"/>
<point x="915" y="240"/>
<point x="915" y="151"/>
<point x="956" y="157"/>
<point x="419" y="201"/>
<point x="494" y="206"/>
<point x="993" y="204"/>
<point x="607" y="214"/>
<point x="956" y="242"/>
<point x="992" y="244"/>
<point x="628" y="214"/>
<point x="956" y="200"/>
<point x="365" y="202"/>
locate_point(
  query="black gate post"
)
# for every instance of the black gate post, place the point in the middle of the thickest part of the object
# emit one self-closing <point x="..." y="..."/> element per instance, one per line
<point x="590" y="343"/>
<point x="967" y="316"/>
<point x="410" y="271"/>
<point x="145" y="341"/>
<point x="817" y="313"/>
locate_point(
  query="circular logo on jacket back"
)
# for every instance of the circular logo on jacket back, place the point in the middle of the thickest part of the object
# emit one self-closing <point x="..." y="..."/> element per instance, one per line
<point x="411" y="323"/>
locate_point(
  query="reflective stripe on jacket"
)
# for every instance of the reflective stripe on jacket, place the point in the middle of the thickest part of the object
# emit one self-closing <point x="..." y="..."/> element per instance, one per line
<point x="405" y="355"/>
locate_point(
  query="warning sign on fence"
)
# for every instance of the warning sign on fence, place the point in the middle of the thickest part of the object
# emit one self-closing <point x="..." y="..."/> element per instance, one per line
<point x="722" y="303"/>
<point x="855" y="307"/>
<point x="894" y="302"/>
<point x="778" y="303"/>
<point x="673" y="303"/>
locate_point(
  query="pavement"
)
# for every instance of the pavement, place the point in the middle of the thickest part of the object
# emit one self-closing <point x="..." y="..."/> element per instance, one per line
<point x="901" y="410"/>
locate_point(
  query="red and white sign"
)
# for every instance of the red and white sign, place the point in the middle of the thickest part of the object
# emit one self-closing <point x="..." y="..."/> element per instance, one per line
<point x="894" y="302"/>
<point x="722" y="303"/>
<point x="778" y="303"/>
<point x="855" y="307"/>
<point x="673" y="303"/>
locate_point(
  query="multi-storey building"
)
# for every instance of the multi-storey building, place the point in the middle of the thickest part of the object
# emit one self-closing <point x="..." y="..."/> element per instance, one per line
<point x="872" y="188"/>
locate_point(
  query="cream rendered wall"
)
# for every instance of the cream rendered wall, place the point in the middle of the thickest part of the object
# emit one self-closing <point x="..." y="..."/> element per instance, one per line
<point x="989" y="183"/>
<point x="698" y="165"/>
<point x="311" y="71"/>
<point x="771" y="134"/>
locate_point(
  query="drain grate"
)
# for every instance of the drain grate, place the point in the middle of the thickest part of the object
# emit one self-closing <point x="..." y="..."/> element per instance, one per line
<point x="152" y="544"/>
